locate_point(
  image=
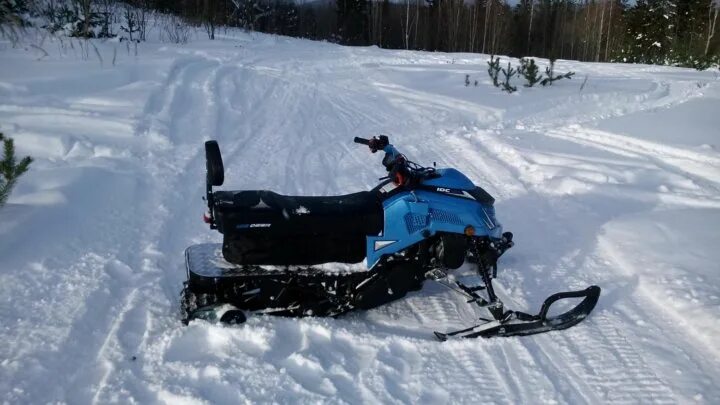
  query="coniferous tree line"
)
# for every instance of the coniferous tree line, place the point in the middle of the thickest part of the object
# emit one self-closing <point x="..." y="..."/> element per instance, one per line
<point x="681" y="32"/>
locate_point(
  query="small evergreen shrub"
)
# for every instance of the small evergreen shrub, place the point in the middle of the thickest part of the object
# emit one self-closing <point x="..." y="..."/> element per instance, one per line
<point x="14" y="12"/>
<point x="10" y="169"/>
<point x="550" y="73"/>
<point x="509" y="73"/>
<point x="529" y="70"/>
<point x="70" y="19"/>
<point x="13" y="19"/>
<point x="494" y="70"/>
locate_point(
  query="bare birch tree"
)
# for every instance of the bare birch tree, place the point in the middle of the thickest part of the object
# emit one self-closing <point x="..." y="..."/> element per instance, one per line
<point x="488" y="9"/>
<point x="406" y="33"/>
<point x="600" y="32"/>
<point x="712" y="22"/>
<point x="607" y="40"/>
<point x="532" y="12"/>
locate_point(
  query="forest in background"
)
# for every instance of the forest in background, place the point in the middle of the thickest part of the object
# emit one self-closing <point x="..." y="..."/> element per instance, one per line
<point x="672" y="32"/>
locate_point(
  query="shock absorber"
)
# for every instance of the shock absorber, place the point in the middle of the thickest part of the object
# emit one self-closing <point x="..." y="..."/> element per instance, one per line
<point x="485" y="261"/>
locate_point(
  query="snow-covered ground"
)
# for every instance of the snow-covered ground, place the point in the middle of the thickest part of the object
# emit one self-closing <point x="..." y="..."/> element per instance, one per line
<point x="614" y="182"/>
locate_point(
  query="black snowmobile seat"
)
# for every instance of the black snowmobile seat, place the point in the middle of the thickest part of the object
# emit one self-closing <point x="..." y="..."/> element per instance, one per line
<point x="263" y="227"/>
<point x="255" y="205"/>
<point x="361" y="202"/>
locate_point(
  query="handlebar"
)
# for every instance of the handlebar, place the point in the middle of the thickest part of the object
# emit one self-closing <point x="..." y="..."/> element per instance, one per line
<point x="381" y="143"/>
<point x="401" y="171"/>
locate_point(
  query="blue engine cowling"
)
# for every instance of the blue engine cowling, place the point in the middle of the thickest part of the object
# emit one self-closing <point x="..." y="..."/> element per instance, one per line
<point x="447" y="202"/>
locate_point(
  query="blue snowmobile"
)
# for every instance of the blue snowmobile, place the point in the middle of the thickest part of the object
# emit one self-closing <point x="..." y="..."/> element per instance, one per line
<point x="288" y="256"/>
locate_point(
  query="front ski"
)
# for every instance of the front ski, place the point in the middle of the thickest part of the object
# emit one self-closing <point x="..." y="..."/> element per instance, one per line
<point x="515" y="323"/>
<point x="507" y="323"/>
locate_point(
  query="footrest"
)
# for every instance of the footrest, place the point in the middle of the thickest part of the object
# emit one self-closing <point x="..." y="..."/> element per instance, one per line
<point x="470" y="289"/>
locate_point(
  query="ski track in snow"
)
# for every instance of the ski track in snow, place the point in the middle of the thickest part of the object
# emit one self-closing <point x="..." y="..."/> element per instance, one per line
<point x="91" y="242"/>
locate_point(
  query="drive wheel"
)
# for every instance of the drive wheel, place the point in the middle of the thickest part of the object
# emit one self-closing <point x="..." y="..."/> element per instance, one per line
<point x="451" y="250"/>
<point x="233" y="317"/>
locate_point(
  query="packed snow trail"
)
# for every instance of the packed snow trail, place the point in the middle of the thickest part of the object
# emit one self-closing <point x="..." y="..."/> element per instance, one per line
<point x="588" y="176"/>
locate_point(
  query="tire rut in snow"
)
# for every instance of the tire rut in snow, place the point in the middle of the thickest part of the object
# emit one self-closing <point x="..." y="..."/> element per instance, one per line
<point x="476" y="369"/>
<point x="700" y="168"/>
<point x="603" y="358"/>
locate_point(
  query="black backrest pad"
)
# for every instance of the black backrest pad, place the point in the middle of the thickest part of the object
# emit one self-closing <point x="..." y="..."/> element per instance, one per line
<point x="214" y="164"/>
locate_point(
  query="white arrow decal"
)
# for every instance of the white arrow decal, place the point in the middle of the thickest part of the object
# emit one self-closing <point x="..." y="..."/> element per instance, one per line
<point x="379" y="244"/>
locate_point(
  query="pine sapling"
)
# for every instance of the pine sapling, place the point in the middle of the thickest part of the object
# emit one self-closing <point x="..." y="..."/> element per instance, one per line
<point x="509" y="73"/>
<point x="567" y="75"/>
<point x="550" y="73"/>
<point x="10" y="169"/>
<point x="494" y="70"/>
<point x="529" y="70"/>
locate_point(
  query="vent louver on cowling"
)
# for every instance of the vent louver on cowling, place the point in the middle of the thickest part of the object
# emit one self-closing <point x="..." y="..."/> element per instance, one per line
<point x="416" y="222"/>
<point x="444" y="216"/>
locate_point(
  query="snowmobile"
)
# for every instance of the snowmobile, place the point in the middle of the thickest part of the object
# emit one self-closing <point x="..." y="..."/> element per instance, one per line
<point x="299" y="255"/>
